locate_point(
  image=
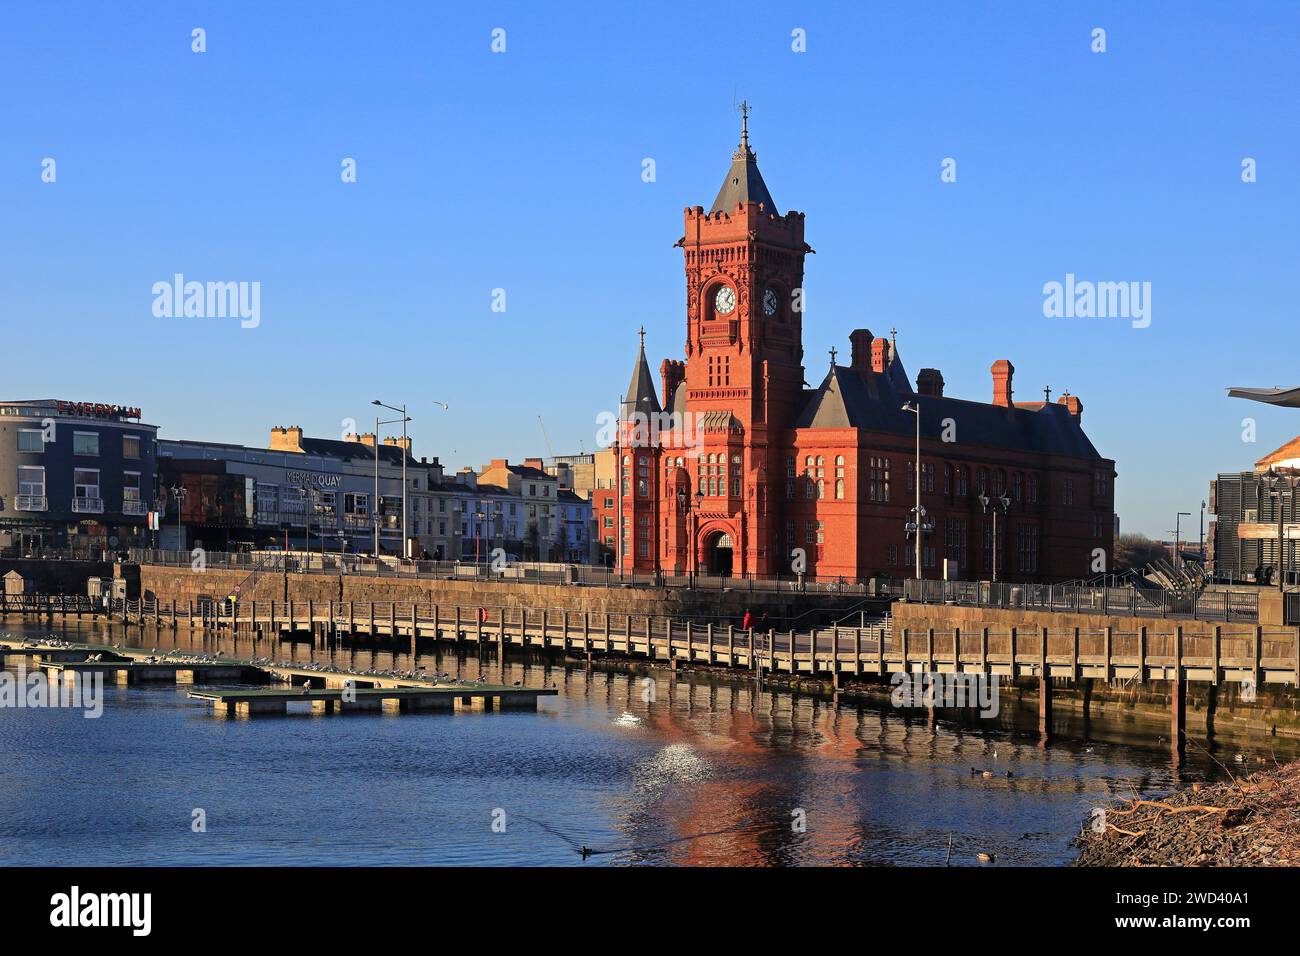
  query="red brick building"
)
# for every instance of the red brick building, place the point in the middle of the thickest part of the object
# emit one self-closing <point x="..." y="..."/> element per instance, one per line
<point x="745" y="470"/>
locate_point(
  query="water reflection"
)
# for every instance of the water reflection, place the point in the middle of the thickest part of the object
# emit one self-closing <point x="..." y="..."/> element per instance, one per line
<point x="637" y="768"/>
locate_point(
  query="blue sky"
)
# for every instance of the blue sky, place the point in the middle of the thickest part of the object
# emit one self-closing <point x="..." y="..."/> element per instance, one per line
<point x="522" y="171"/>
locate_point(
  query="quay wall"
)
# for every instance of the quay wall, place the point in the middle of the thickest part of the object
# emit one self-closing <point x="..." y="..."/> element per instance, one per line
<point x="1275" y="709"/>
<point x="183" y="585"/>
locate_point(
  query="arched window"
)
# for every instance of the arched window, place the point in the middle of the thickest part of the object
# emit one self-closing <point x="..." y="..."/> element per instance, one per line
<point x="839" y="488"/>
<point x="821" y="489"/>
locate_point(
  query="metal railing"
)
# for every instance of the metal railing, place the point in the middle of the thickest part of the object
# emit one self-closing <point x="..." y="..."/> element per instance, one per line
<point x="31" y="503"/>
<point x="88" y="505"/>
<point x="314" y="562"/>
<point x="1086" y="599"/>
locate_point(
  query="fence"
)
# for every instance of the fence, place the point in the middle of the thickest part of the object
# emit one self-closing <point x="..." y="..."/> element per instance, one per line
<point x="1084" y="599"/>
<point x="302" y="562"/>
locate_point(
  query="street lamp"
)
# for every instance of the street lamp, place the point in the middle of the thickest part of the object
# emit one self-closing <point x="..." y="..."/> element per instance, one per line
<point x="405" y="455"/>
<point x="310" y="497"/>
<point x="914" y="407"/>
<point x="179" y="492"/>
<point x="1278" y="484"/>
<point x="1005" y="503"/>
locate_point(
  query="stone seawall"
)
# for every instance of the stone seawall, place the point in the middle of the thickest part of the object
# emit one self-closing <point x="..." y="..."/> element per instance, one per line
<point x="182" y="585"/>
<point x="1145" y="704"/>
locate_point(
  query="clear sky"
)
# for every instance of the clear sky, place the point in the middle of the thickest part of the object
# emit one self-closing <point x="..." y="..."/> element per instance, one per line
<point x="522" y="171"/>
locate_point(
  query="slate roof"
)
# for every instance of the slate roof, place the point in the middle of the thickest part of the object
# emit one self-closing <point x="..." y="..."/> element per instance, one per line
<point x="354" y="451"/>
<point x="874" y="401"/>
<point x="641" y="395"/>
<point x="744" y="183"/>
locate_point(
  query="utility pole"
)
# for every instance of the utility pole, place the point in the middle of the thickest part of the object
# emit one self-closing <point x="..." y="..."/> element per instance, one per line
<point x="1178" y="561"/>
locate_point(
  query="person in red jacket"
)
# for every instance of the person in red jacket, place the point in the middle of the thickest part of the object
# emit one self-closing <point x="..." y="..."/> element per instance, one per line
<point x="747" y="622"/>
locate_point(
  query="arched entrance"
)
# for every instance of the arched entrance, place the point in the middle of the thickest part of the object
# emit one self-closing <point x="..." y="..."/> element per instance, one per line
<point x="718" y="553"/>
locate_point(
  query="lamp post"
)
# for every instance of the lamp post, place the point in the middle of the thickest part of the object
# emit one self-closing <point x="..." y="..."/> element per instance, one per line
<point x="1004" y="503"/>
<point x="179" y="492"/>
<point x="479" y="517"/>
<point x="1201" y="545"/>
<point x="374" y="509"/>
<point x="1277" y="484"/>
<point x="914" y="407"/>
<point x="405" y="455"/>
<point x="310" y="497"/>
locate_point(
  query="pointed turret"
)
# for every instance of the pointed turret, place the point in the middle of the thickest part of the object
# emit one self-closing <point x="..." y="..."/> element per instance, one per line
<point x="641" y="395"/>
<point x="744" y="183"/>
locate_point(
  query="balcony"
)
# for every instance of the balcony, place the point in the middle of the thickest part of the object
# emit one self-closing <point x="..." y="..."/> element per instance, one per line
<point x="134" y="507"/>
<point x="31" y="503"/>
<point x="92" y="506"/>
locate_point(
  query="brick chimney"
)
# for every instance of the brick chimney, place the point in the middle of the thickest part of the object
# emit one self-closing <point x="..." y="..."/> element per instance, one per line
<point x="671" y="373"/>
<point x="396" y="442"/>
<point x="1002" y="371"/>
<point x="367" y="439"/>
<point x="286" y="439"/>
<point x="1073" y="405"/>
<point x="879" y="354"/>
<point x="499" y="463"/>
<point x="929" y="381"/>
<point x="534" y="463"/>
<point x="860" y="350"/>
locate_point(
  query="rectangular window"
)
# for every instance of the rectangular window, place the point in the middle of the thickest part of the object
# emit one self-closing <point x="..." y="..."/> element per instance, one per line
<point x="131" y="486"/>
<point x="130" y="446"/>
<point x="31" y="481"/>
<point x="85" y="443"/>
<point x="31" y="440"/>
<point x="85" y="490"/>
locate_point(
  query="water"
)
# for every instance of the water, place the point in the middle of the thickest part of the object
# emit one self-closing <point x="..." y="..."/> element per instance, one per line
<point x="709" y="773"/>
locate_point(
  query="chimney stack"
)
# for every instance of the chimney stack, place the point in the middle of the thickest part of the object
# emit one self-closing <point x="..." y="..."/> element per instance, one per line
<point x="286" y="439"/>
<point x="879" y="354"/>
<point x="860" y="350"/>
<point x="1002" y="371"/>
<point x="394" y="441"/>
<point x="929" y="382"/>
<point x="1072" y="405"/>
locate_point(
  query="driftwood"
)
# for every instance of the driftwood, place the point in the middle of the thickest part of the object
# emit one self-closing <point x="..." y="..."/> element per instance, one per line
<point x="1256" y="823"/>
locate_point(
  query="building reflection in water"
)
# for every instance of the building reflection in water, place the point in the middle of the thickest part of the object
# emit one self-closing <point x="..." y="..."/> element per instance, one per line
<point x="733" y="774"/>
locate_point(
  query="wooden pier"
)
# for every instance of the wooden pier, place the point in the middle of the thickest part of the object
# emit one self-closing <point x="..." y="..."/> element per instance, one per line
<point x="394" y="700"/>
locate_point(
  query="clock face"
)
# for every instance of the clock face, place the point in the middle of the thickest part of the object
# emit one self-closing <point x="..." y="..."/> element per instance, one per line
<point x="725" y="301"/>
<point x="770" y="301"/>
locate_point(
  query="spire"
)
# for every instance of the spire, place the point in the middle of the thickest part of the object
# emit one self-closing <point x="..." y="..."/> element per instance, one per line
<point x="641" y="391"/>
<point x="744" y="183"/>
<point x="833" y="358"/>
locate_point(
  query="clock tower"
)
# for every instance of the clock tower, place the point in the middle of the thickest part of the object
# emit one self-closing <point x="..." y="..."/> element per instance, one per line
<point x="743" y="372"/>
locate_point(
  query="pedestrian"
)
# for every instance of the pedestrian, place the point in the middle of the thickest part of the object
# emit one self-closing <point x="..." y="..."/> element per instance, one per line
<point x="747" y="621"/>
<point x="762" y="621"/>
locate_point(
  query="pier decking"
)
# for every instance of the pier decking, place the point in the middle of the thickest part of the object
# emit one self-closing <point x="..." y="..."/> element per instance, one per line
<point x="247" y="703"/>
